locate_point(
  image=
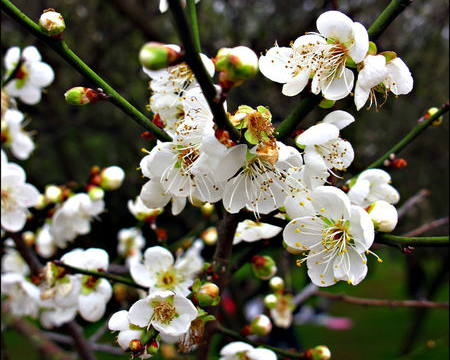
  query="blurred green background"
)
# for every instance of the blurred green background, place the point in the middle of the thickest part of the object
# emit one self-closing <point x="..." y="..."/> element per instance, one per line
<point x="107" y="35"/>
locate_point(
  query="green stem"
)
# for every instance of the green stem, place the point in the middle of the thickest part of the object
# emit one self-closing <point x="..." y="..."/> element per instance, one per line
<point x="387" y="17"/>
<point x="417" y="241"/>
<point x="410" y="136"/>
<point x="296" y="116"/>
<point x="236" y="336"/>
<point x="204" y="80"/>
<point x="194" y="24"/>
<point x="63" y="50"/>
<point x="103" y="275"/>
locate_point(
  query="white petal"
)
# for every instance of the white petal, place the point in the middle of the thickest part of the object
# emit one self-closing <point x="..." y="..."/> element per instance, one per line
<point x="360" y="46"/>
<point x="91" y="307"/>
<point x="141" y="274"/>
<point x="320" y="273"/>
<point x="375" y="176"/>
<point x="178" y="204"/>
<point x="361" y="229"/>
<point x="359" y="191"/>
<point x="274" y="65"/>
<point x="384" y="192"/>
<point x="296" y="84"/>
<point x="158" y="259"/>
<point x="31" y="54"/>
<point x="303" y="233"/>
<point x="373" y="72"/>
<point x="12" y="57"/>
<point x="119" y="321"/>
<point x="402" y="81"/>
<point x="95" y="258"/>
<point x="331" y="202"/>
<point x="361" y="96"/>
<point x="140" y="313"/>
<point x="335" y="25"/>
<point x="235" y="347"/>
<point x="261" y="354"/>
<point x="14" y="220"/>
<point x="234" y="196"/>
<point x="30" y="95"/>
<point x="308" y="40"/>
<point x="339" y="118"/>
<point x="124" y="338"/>
<point x="318" y="134"/>
<point x="339" y="88"/>
<point x="41" y="74"/>
<point x="153" y="195"/>
<point x="232" y="162"/>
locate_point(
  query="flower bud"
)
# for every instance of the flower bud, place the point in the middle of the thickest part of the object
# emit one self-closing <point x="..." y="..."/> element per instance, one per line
<point x="261" y="325"/>
<point x="157" y="56"/>
<point x="96" y="193"/>
<point x="270" y="301"/>
<point x="276" y="283"/>
<point x="41" y="202"/>
<point x="81" y="96"/>
<point x="383" y="215"/>
<point x="53" y="194"/>
<point x="136" y="345"/>
<point x="208" y="295"/>
<point x="320" y="352"/>
<point x="52" y="22"/>
<point x="263" y="267"/>
<point x="431" y="112"/>
<point x="29" y="237"/>
<point x="207" y="209"/>
<point x="153" y="347"/>
<point x="112" y="178"/>
<point x="236" y="65"/>
<point x="209" y="236"/>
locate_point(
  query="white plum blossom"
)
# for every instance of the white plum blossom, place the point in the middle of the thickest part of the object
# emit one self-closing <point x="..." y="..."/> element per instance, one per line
<point x="323" y="145"/>
<point x="22" y="296"/>
<point x="372" y="185"/>
<point x="322" y="56"/>
<point x="384" y="215"/>
<point x="334" y="240"/>
<point x="45" y="244"/>
<point x="166" y="311"/>
<point x="239" y="350"/>
<point x="15" y="136"/>
<point x="74" y="217"/>
<point x="142" y="212"/>
<point x="384" y="76"/>
<point x="95" y="292"/>
<point x="12" y="261"/>
<point x="53" y="315"/>
<point x="161" y="272"/>
<point x="17" y="196"/>
<point x="32" y="76"/>
<point x="130" y="244"/>
<point x="251" y="231"/>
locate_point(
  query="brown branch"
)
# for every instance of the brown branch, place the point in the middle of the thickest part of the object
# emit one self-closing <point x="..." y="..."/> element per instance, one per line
<point x="412" y="201"/>
<point x="428" y="226"/>
<point x="26" y="253"/>
<point x="85" y="349"/>
<point x="382" y="302"/>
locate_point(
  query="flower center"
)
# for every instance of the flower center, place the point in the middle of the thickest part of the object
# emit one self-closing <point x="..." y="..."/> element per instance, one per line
<point x="336" y="237"/>
<point x="187" y="158"/>
<point x="8" y="201"/>
<point x="168" y="279"/>
<point x="164" y="312"/>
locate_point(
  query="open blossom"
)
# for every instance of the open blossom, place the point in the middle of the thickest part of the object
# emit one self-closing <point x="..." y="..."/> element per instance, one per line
<point x="130" y="244"/>
<point x="167" y="312"/>
<point x="32" y="76"/>
<point x="12" y="261"/>
<point x="160" y="272"/>
<point x="23" y="296"/>
<point x="377" y="74"/>
<point x="17" y="195"/>
<point x="250" y="231"/>
<point x="334" y="240"/>
<point x="322" y="56"/>
<point x="14" y="136"/>
<point x="322" y="143"/>
<point x="372" y="185"/>
<point x="239" y="350"/>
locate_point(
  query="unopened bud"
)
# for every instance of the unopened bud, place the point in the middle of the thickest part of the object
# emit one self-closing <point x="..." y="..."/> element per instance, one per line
<point x="207" y="209"/>
<point x="29" y="237"/>
<point x="430" y="113"/>
<point x="53" y="194"/>
<point x="261" y="325"/>
<point x="209" y="236"/>
<point x="326" y="104"/>
<point x="52" y="22"/>
<point x="270" y="301"/>
<point x="112" y="178"/>
<point x="41" y="202"/>
<point x="320" y="352"/>
<point x="398" y="163"/>
<point x="157" y="56"/>
<point x="153" y="347"/>
<point x="96" y="193"/>
<point x="208" y="295"/>
<point x="276" y="283"/>
<point x="81" y="96"/>
<point x="136" y="345"/>
<point x="236" y="64"/>
<point x="384" y="216"/>
<point x="263" y="267"/>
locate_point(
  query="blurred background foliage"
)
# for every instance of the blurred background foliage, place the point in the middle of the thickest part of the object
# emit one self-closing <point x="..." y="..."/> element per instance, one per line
<point x="107" y="35"/>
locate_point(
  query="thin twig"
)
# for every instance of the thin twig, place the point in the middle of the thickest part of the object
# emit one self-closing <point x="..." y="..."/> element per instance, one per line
<point x="382" y="302"/>
<point x="428" y="226"/>
<point x="194" y="23"/>
<point x="307" y="292"/>
<point x="416" y="241"/>
<point x="411" y="202"/>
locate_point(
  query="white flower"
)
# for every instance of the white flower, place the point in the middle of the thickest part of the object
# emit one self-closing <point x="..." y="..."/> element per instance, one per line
<point x="281" y="310"/>
<point x="323" y="145"/>
<point x="73" y="218"/>
<point x="45" y="244"/>
<point x="321" y="56"/>
<point x="335" y="239"/>
<point x="23" y="296"/>
<point x="12" y="262"/>
<point x="17" y="195"/>
<point x="264" y="179"/>
<point x="53" y="315"/>
<point x="95" y="292"/>
<point x="393" y="76"/>
<point x="250" y="231"/>
<point x="130" y="244"/>
<point x="16" y="138"/>
<point x="142" y="212"/>
<point x="32" y="76"/>
<point x="164" y="5"/>
<point x="160" y="272"/>
<point x="239" y="350"/>
<point x="167" y="312"/>
<point x="112" y="177"/>
<point x="384" y="216"/>
<point x="372" y="185"/>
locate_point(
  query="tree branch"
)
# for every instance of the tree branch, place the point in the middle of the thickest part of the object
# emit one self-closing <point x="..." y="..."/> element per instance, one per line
<point x="380" y="302"/>
<point x="194" y="24"/>
<point x="403" y="241"/>
<point x="411" y="202"/>
<point x="428" y="226"/>
<point x="73" y="60"/>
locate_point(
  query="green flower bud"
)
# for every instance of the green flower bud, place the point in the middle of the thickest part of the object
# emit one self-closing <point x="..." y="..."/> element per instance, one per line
<point x="81" y="96"/>
<point x="136" y="345"/>
<point x="270" y="301"/>
<point x="276" y="283"/>
<point x="261" y="325"/>
<point x="263" y="267"/>
<point x="96" y="193"/>
<point x="320" y="352"/>
<point x="111" y="178"/>
<point x="41" y="203"/>
<point x="53" y="194"/>
<point x="236" y="64"/>
<point x="52" y="23"/>
<point x="208" y="295"/>
<point x="157" y="56"/>
<point x="383" y="215"/>
<point x="153" y="347"/>
<point x="431" y="112"/>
